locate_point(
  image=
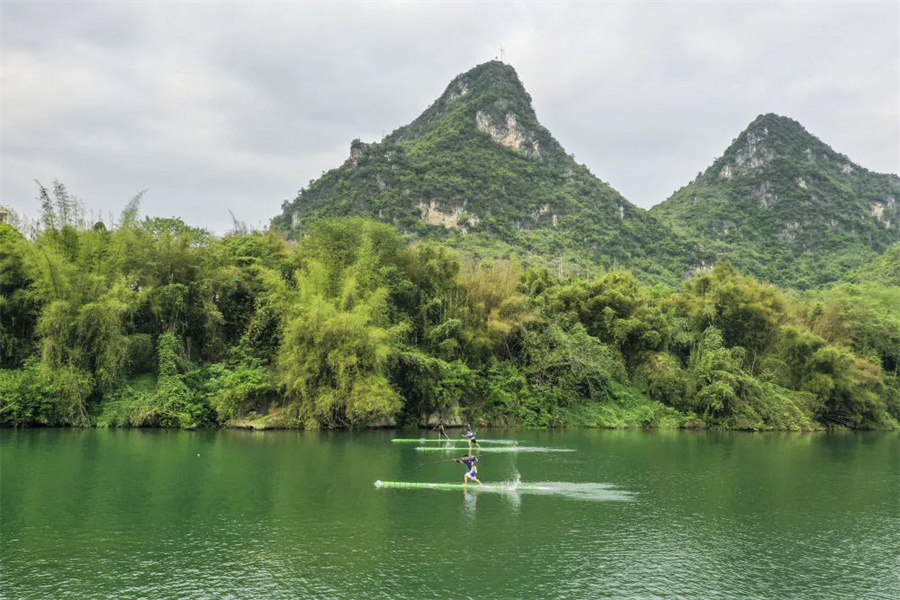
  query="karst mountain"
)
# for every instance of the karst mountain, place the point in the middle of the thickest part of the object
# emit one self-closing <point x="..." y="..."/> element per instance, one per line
<point x="478" y="170"/>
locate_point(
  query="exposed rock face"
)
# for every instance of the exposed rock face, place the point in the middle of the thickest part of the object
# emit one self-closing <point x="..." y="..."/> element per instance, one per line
<point x="753" y="154"/>
<point x="701" y="269"/>
<point x="357" y="149"/>
<point x="545" y="209"/>
<point x="510" y="134"/>
<point x="790" y="232"/>
<point x="458" y="89"/>
<point x="878" y="210"/>
<point x="8" y="215"/>
<point x="765" y="195"/>
<point x="432" y="215"/>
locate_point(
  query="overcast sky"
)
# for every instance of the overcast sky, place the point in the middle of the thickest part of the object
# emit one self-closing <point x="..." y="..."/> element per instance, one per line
<point x="218" y="106"/>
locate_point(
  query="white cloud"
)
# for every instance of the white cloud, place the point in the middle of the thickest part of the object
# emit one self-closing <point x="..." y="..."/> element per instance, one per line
<point x="216" y="106"/>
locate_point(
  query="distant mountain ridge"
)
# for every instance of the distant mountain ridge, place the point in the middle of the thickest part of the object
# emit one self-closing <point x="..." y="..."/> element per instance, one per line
<point x="478" y="170"/>
<point x="784" y="206"/>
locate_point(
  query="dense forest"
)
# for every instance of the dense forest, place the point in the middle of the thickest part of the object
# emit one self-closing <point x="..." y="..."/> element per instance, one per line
<point x="152" y="322"/>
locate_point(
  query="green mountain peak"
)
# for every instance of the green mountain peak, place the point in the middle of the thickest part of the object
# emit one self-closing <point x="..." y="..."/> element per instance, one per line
<point x="785" y="207"/>
<point x="772" y="137"/>
<point x="478" y="169"/>
<point x="489" y="99"/>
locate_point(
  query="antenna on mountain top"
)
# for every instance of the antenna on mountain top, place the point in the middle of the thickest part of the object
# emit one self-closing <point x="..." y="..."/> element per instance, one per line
<point x="501" y="53"/>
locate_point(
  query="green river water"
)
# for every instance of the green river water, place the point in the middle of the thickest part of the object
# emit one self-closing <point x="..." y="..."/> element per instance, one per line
<point x="620" y="514"/>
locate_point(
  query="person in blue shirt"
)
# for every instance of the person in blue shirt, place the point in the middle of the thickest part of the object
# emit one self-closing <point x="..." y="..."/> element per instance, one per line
<point x="472" y="470"/>
<point x="470" y="435"/>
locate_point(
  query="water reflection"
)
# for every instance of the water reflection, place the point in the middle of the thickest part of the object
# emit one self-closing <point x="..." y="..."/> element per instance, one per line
<point x="469" y="501"/>
<point x="282" y="515"/>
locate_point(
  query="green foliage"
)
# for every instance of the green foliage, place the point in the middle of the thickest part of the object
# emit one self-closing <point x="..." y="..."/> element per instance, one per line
<point x="495" y="312"/>
<point x="140" y="355"/>
<point x="37" y="394"/>
<point x="884" y="271"/>
<point x="507" y="398"/>
<point x="848" y="391"/>
<point x="430" y="384"/>
<point x="718" y="386"/>
<point x="568" y="367"/>
<point x="337" y="340"/>
<point x="238" y="388"/>
<point x="333" y="360"/>
<point x="721" y="391"/>
<point x="747" y="313"/>
<point x="164" y="400"/>
<point x="786" y="208"/>
<point x="19" y="310"/>
<point x="864" y="316"/>
<point x="154" y="323"/>
<point x="615" y="309"/>
<point x="666" y="380"/>
<point x="130" y="405"/>
<point x="448" y="176"/>
<point x="628" y="408"/>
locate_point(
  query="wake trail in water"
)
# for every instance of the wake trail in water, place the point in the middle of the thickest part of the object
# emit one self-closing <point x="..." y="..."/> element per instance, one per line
<point x="583" y="491"/>
<point x="597" y="492"/>
<point x="460" y="441"/>
<point x="517" y="449"/>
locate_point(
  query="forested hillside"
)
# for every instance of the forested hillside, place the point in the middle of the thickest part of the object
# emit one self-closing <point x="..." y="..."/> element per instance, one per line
<point x="478" y="171"/>
<point x="157" y="323"/>
<point x="884" y="270"/>
<point x="787" y="208"/>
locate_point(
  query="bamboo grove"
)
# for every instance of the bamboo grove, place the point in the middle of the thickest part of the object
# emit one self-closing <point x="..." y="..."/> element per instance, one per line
<point x="152" y="322"/>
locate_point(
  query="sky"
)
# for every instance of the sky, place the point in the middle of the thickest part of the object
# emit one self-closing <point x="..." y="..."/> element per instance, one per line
<point x="214" y="107"/>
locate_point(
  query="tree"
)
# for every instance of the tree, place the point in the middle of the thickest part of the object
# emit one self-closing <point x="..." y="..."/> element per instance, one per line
<point x="748" y="314"/>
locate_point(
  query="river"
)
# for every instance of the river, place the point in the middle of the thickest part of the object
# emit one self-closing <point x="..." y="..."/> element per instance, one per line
<point x="281" y="514"/>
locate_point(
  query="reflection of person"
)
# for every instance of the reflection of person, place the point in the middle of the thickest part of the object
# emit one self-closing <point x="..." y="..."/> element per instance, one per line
<point x="472" y="472"/>
<point x="470" y="435"/>
<point x="441" y="433"/>
<point x="470" y="501"/>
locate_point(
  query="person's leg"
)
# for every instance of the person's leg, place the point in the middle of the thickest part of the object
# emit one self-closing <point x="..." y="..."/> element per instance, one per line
<point x="473" y="475"/>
